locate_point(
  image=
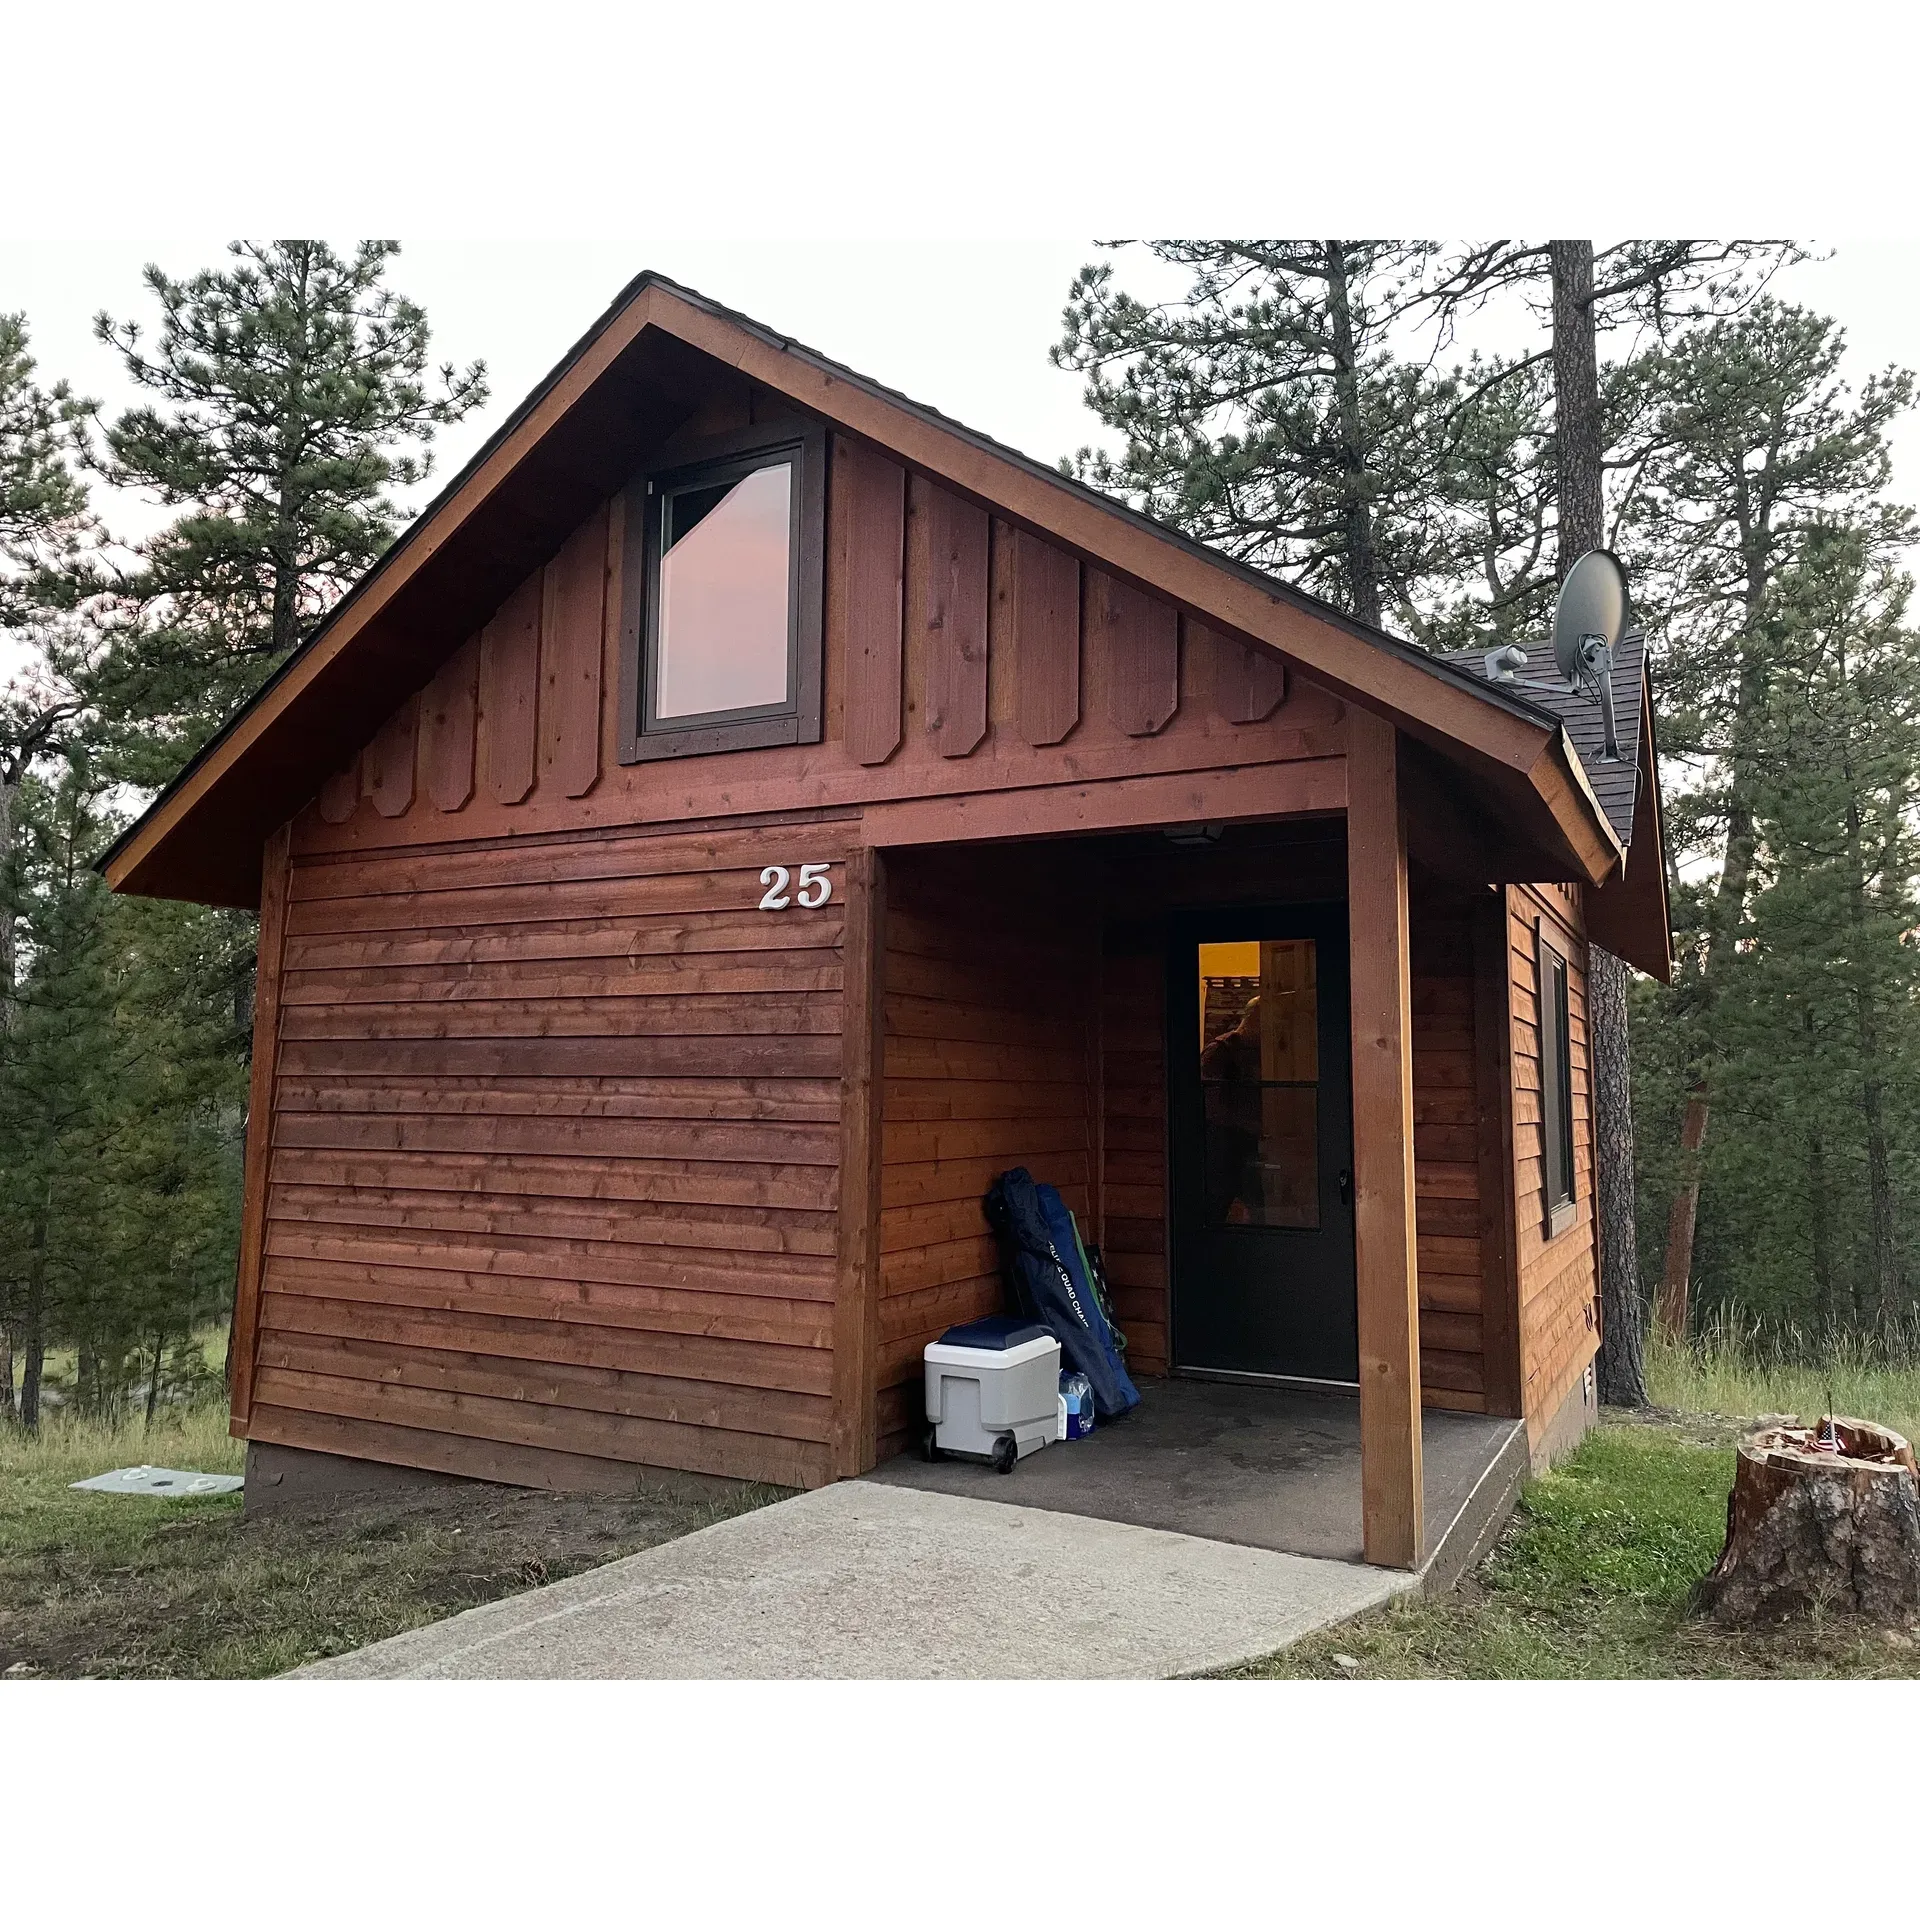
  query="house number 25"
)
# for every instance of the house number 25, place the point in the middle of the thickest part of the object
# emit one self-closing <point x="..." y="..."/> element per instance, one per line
<point x="814" y="890"/>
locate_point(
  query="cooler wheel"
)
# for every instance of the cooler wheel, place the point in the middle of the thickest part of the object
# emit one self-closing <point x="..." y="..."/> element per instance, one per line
<point x="1005" y="1453"/>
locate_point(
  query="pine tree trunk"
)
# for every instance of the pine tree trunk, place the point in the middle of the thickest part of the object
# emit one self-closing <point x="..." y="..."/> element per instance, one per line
<point x="1363" y="572"/>
<point x="1676" y="1275"/>
<point x="8" y="1406"/>
<point x="1622" y="1372"/>
<point x="9" y="929"/>
<point x="1579" y="436"/>
<point x="35" y="1356"/>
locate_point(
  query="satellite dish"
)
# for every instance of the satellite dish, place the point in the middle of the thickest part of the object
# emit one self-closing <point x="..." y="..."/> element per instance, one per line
<point x="1588" y="621"/>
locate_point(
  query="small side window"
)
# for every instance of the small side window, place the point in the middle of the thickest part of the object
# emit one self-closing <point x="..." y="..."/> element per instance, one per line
<point x="1556" y="1079"/>
<point x="723" y="570"/>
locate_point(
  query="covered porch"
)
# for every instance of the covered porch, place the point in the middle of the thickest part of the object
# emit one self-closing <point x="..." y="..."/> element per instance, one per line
<point x="1027" y="1012"/>
<point x="1257" y="1466"/>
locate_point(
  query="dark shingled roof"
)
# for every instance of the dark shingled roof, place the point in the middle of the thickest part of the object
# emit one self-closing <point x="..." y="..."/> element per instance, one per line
<point x="1615" y="782"/>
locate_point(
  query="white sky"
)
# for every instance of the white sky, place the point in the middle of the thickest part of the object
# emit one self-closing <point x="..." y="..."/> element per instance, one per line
<point x="963" y="325"/>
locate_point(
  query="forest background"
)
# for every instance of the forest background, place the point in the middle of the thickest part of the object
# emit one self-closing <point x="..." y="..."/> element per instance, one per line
<point x="1407" y="429"/>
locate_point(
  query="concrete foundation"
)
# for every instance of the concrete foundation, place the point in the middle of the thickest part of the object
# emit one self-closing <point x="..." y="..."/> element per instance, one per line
<point x="1575" y="1417"/>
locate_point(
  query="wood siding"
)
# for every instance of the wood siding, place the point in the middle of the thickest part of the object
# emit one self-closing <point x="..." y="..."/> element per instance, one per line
<point x="1558" y="1276"/>
<point x="554" y="1167"/>
<point x="986" y="1060"/>
<point x="559" y="1116"/>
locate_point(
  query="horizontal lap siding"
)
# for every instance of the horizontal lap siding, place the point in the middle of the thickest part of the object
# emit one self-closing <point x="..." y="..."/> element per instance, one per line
<point x="1558" y="1277"/>
<point x="555" y="1174"/>
<point x="1446" y="1163"/>
<point x="985" y="1068"/>
<point x="1133" y="1214"/>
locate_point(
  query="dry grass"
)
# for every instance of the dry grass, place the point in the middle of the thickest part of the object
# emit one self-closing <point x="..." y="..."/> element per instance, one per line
<point x="1738" y="1372"/>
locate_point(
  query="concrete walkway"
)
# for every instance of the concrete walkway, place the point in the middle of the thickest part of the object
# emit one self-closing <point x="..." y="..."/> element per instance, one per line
<point x="873" y="1582"/>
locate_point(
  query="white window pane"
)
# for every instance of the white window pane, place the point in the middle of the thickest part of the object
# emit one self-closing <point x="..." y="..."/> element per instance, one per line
<point x="724" y="587"/>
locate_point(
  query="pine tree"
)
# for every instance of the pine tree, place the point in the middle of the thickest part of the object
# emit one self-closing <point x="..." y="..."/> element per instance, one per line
<point x="291" y="394"/>
<point x="1264" y="411"/>
<point x="1757" y="444"/>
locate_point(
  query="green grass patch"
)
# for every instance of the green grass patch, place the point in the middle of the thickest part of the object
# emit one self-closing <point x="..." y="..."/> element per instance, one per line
<point x="1593" y="1582"/>
<point x="114" y="1585"/>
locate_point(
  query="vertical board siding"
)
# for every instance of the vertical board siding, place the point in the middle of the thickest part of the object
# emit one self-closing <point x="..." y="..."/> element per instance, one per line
<point x="340" y="793"/>
<point x="572" y="642"/>
<point x="1044" y="584"/>
<point x="1141" y="639"/>
<point x="1248" y="683"/>
<point x="386" y="768"/>
<point x="447" y="717"/>
<point x="985" y="1069"/>
<point x="555" y="1159"/>
<point x="869" y="538"/>
<point x="510" y="692"/>
<point x="1558" y="1276"/>
<point x="949" y="565"/>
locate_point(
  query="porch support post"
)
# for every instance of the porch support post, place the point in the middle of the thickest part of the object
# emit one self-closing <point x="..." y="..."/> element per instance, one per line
<point x="856" y="1309"/>
<point x="1383" y="1223"/>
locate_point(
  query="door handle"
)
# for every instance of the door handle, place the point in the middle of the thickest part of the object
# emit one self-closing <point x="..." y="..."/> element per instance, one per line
<point x="1346" y="1186"/>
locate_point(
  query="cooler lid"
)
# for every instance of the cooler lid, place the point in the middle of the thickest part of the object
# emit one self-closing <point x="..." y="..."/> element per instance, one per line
<point x="997" y="1333"/>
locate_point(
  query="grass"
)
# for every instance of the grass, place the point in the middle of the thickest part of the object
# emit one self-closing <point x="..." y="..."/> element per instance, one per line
<point x="1594" y="1577"/>
<point x="118" y="1586"/>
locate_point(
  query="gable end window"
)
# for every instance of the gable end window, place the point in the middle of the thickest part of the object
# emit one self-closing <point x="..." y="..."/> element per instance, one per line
<point x="1556" y="1079"/>
<point x="722" y="585"/>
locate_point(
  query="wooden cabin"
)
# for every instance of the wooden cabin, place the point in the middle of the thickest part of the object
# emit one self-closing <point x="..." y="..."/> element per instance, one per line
<point x="747" y="812"/>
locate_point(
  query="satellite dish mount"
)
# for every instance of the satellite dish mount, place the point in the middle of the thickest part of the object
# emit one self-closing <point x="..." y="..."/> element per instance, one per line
<point x="1587" y="624"/>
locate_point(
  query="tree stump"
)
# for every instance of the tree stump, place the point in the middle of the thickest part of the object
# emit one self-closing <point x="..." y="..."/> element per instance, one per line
<point x="1811" y="1526"/>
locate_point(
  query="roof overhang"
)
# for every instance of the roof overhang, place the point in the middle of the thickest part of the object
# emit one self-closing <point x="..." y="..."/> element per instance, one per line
<point x="572" y="442"/>
<point x="1631" y="916"/>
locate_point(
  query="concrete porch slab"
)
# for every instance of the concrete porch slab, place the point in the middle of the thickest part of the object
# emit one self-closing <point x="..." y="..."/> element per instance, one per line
<point x="1257" y="1465"/>
<point x="866" y="1580"/>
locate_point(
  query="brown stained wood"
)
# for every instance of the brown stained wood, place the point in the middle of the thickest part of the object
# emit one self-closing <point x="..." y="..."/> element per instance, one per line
<point x="856" y="1316"/>
<point x="1151" y="800"/>
<point x="572" y="636"/>
<point x="950" y="617"/>
<point x="1248" y="682"/>
<point x="510" y="693"/>
<point x="1044" y="582"/>
<point x="386" y="767"/>
<point x="513" y="1466"/>
<point x="529" y="1380"/>
<point x="606" y="1436"/>
<point x="1140" y="638"/>
<point x="868" y="516"/>
<point x="1493" y="1118"/>
<point x="1385" y="1243"/>
<point x="275" y="864"/>
<point x="449" y="711"/>
<point x="340" y="793"/>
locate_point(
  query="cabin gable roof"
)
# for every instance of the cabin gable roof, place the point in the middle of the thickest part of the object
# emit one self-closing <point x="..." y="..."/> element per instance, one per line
<point x="570" y="444"/>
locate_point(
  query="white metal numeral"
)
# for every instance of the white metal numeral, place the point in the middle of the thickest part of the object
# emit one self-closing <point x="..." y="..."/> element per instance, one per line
<point x="774" y="879"/>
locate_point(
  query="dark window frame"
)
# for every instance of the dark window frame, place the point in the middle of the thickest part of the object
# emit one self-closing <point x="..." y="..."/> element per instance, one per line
<point x="1553" y="1008"/>
<point x="794" y="721"/>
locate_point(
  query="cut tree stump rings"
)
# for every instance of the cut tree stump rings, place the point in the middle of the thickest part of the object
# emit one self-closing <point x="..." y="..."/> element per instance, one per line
<point x="1815" y="1526"/>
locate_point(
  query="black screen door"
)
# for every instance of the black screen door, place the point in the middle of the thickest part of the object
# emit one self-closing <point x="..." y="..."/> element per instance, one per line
<point x="1260" y="1114"/>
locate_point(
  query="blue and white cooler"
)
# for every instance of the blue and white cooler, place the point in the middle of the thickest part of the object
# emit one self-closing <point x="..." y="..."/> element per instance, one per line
<point x="992" y="1390"/>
